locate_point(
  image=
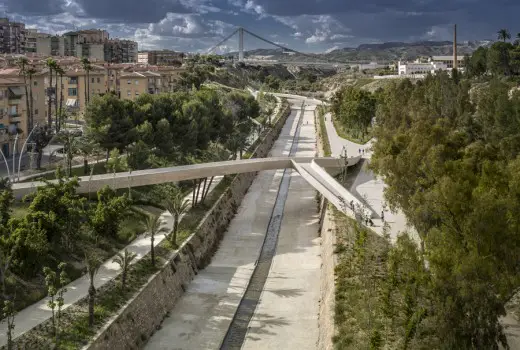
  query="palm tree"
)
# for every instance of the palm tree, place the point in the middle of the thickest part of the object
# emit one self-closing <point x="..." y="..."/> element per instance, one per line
<point x="87" y="68"/>
<point x="22" y="63"/>
<point x="154" y="226"/>
<point x="124" y="259"/>
<point x="51" y="64"/>
<point x="503" y="34"/>
<point x="59" y="115"/>
<point x="93" y="264"/>
<point x="56" y="68"/>
<point x="177" y="205"/>
<point x="30" y="73"/>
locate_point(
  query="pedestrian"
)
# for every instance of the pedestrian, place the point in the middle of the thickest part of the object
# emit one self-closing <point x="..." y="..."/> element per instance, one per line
<point x="352" y="205"/>
<point x="383" y="215"/>
<point x="359" y="151"/>
<point x="363" y="151"/>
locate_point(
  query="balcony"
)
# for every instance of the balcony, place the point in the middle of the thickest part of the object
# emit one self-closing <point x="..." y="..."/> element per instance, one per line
<point x="15" y="93"/>
<point x="73" y="81"/>
<point x="15" y="118"/>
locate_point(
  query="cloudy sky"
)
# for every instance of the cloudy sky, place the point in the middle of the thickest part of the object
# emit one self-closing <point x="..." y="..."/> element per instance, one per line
<point x="305" y="25"/>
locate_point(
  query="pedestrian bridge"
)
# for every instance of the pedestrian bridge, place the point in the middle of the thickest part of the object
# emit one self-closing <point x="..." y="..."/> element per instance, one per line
<point x="311" y="169"/>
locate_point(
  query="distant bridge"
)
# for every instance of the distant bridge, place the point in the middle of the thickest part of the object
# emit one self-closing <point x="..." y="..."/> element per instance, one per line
<point x="241" y="31"/>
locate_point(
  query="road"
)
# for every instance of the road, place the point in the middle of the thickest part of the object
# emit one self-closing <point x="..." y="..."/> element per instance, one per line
<point x="270" y="253"/>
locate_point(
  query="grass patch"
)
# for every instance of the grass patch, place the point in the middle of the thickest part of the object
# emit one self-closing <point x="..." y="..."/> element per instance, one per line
<point x="353" y="135"/>
<point x="323" y="132"/>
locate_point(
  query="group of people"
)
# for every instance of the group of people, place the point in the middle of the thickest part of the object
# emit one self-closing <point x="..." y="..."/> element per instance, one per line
<point x="365" y="213"/>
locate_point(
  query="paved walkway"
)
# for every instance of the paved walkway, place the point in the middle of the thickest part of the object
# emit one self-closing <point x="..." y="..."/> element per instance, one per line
<point x="39" y="312"/>
<point x="367" y="187"/>
<point x="201" y="317"/>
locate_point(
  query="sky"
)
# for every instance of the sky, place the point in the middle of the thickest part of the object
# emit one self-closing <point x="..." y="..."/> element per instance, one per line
<point x="303" y="25"/>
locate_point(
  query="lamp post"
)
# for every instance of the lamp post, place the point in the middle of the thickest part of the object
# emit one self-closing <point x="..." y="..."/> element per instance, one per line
<point x="14" y="156"/>
<point x="21" y="152"/>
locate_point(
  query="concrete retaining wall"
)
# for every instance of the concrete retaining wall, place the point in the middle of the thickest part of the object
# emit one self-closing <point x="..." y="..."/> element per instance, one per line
<point x="328" y="264"/>
<point x="143" y="314"/>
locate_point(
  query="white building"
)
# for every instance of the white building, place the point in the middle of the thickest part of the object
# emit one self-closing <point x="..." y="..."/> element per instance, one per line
<point x="407" y="68"/>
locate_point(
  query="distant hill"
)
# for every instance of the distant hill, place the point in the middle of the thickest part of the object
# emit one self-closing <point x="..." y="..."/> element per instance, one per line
<point x="383" y="52"/>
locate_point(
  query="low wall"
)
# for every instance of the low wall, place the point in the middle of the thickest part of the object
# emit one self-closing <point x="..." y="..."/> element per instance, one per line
<point x="328" y="264"/>
<point x="143" y="314"/>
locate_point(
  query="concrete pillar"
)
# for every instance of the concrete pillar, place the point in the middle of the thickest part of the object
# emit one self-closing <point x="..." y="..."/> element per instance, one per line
<point x="241" y="44"/>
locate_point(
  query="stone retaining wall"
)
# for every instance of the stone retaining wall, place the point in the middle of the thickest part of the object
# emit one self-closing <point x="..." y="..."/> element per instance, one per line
<point x="143" y="314"/>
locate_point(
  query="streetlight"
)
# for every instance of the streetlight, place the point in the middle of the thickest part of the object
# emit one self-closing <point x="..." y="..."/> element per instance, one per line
<point x="21" y="152"/>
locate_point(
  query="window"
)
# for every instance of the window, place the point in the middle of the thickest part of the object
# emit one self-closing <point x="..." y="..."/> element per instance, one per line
<point x="136" y="93"/>
<point x="137" y="82"/>
<point x="73" y="92"/>
<point x="35" y="112"/>
<point x="13" y="110"/>
<point x="99" y="80"/>
<point x="129" y="92"/>
<point x="35" y="83"/>
<point x="2" y="113"/>
<point x="129" y="81"/>
<point x="92" y="79"/>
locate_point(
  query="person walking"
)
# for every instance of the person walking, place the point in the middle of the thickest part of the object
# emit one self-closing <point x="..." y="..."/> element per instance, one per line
<point x="383" y="215"/>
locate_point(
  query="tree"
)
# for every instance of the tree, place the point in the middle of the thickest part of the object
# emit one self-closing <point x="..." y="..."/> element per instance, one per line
<point x="60" y="202"/>
<point x="124" y="259"/>
<point x="177" y="206"/>
<point x="30" y="73"/>
<point x="477" y="64"/>
<point x="55" y="291"/>
<point x="70" y="147"/>
<point x="22" y="63"/>
<point x="498" y="58"/>
<point x="87" y="67"/>
<point x="92" y="263"/>
<point x="154" y="226"/>
<point x="8" y="314"/>
<point x="104" y="219"/>
<point x="41" y="136"/>
<point x="109" y="122"/>
<point x="51" y="64"/>
<point x="503" y="34"/>
<point x="115" y="163"/>
<point x="354" y="108"/>
<point x="59" y="114"/>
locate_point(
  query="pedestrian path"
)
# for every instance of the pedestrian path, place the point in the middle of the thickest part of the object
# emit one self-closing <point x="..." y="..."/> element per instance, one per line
<point x="39" y="312"/>
<point x="367" y="187"/>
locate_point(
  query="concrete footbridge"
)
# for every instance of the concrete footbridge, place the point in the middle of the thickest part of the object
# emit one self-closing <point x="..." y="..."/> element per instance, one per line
<point x="312" y="169"/>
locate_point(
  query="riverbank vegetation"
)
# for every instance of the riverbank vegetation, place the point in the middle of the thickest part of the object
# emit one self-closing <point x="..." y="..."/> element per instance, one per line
<point x="451" y="163"/>
<point x="353" y="110"/>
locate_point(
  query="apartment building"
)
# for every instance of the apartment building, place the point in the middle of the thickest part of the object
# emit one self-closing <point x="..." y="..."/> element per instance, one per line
<point x="74" y="88"/>
<point x="43" y="44"/>
<point x="12" y="37"/>
<point x="120" y="51"/>
<point x="160" y="57"/>
<point x="134" y="84"/>
<point x="13" y="107"/>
